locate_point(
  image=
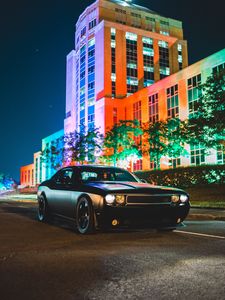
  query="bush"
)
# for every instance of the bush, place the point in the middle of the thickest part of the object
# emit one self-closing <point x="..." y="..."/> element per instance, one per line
<point x="185" y="177"/>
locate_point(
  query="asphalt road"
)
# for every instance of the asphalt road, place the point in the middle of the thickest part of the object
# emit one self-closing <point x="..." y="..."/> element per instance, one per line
<point x="51" y="261"/>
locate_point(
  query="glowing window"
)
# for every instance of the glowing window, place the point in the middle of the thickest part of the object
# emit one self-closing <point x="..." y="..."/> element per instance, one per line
<point x="131" y="36"/>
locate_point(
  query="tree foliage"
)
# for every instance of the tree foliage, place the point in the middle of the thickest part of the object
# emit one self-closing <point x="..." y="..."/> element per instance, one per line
<point x="120" y="143"/>
<point x="208" y="123"/>
<point x="177" y="136"/>
<point x="6" y="182"/>
<point x="155" y="141"/>
<point x="53" y="154"/>
<point x="166" y="138"/>
<point x="83" y="145"/>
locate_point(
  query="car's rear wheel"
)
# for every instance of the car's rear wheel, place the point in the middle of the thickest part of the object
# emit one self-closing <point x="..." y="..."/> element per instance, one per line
<point x="85" y="220"/>
<point x="43" y="210"/>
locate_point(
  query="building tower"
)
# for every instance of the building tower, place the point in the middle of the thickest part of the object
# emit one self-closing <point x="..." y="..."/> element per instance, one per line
<point x="120" y="48"/>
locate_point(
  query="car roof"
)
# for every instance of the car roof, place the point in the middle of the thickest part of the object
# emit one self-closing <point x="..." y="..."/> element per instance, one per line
<point x="93" y="166"/>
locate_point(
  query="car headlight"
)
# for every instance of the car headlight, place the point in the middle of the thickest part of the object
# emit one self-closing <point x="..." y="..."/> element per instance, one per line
<point x="183" y="198"/>
<point x="175" y="198"/>
<point x="110" y="199"/>
<point x="120" y="199"/>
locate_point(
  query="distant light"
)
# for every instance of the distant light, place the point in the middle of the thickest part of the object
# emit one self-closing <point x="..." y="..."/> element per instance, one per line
<point x="129" y="1"/>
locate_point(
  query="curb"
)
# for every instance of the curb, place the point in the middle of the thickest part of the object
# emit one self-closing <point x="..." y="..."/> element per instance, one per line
<point x="204" y="217"/>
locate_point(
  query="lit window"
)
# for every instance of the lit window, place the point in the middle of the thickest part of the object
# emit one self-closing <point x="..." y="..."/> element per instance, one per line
<point x="163" y="44"/>
<point x="132" y="65"/>
<point x="137" y="166"/>
<point x="113" y="31"/>
<point x="174" y="162"/>
<point x="164" y="71"/>
<point x="172" y="102"/>
<point x="91" y="42"/>
<point x="149" y="69"/>
<point x="131" y="36"/>
<point x="180" y="58"/>
<point x="197" y="155"/>
<point x="148" y="51"/>
<point x="147" y="40"/>
<point x="91" y="101"/>
<point x="179" y="47"/>
<point x="164" y="32"/>
<point x="218" y="68"/>
<point x="220" y="155"/>
<point x="82" y="91"/>
<point x="153" y="105"/>
<point x="194" y="93"/>
<point x="113" y="44"/>
<point x="132" y="81"/>
<point x="137" y="111"/>
<point x="113" y="77"/>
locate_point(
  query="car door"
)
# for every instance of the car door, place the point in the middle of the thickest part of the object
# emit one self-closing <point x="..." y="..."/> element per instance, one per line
<point x="61" y="192"/>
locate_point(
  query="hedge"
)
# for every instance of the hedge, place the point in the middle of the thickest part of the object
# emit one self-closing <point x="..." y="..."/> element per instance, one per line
<point x="185" y="177"/>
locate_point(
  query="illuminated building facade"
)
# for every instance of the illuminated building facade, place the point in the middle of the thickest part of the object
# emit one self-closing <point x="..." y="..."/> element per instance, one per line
<point x="54" y="140"/>
<point x="27" y="175"/>
<point x="176" y="96"/>
<point x="120" y="48"/>
<point x="40" y="170"/>
<point x="128" y="63"/>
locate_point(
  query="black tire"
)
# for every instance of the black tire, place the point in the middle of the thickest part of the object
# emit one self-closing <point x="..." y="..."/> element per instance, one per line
<point x="43" y="210"/>
<point x="85" y="216"/>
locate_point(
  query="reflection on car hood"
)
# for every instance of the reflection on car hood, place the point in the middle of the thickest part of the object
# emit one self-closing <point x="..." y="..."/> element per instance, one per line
<point x="131" y="186"/>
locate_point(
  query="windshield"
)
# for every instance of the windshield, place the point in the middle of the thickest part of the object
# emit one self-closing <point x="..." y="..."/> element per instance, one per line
<point x="106" y="174"/>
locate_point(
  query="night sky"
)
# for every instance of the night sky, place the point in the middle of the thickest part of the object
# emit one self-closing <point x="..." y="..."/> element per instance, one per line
<point x="37" y="35"/>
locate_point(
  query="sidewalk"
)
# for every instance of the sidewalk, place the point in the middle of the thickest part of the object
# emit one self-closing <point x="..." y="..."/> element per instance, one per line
<point x="204" y="214"/>
<point x="19" y="197"/>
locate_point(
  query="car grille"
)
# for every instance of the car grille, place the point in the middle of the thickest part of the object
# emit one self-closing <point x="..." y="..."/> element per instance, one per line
<point x="148" y="199"/>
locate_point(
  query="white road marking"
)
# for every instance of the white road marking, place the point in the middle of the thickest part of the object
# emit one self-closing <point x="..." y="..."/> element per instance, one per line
<point x="201" y="234"/>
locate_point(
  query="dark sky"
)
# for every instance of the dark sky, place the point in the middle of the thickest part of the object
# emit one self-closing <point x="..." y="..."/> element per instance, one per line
<point x="37" y="35"/>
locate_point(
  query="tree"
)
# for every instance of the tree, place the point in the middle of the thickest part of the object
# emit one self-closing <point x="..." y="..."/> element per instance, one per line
<point x="119" y="143"/>
<point x="6" y="182"/>
<point x="53" y="155"/>
<point x="82" y="145"/>
<point x="166" y="138"/>
<point x="207" y="126"/>
<point x="94" y="141"/>
<point x="155" y="141"/>
<point x="177" y="137"/>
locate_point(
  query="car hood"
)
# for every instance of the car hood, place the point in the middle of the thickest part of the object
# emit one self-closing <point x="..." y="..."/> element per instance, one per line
<point x="136" y="187"/>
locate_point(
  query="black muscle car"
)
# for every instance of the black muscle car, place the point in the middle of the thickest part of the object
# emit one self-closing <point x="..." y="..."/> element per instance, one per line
<point x="102" y="197"/>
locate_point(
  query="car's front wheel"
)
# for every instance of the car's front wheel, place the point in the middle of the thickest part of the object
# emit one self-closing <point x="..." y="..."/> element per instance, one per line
<point x="43" y="211"/>
<point x="85" y="216"/>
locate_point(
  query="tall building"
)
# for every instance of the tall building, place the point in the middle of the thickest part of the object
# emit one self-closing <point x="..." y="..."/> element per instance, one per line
<point x="120" y="48"/>
<point x="128" y="62"/>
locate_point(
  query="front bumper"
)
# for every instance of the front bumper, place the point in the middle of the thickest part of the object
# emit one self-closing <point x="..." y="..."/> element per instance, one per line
<point x="145" y="215"/>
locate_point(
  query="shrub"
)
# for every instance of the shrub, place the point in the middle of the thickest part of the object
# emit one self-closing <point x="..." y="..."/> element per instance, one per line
<point x="185" y="177"/>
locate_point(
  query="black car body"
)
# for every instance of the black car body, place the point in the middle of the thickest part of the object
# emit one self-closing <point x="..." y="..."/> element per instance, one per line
<point x="100" y="197"/>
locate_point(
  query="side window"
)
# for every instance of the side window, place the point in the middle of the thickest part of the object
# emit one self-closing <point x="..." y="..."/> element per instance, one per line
<point x="89" y="176"/>
<point x="64" y="177"/>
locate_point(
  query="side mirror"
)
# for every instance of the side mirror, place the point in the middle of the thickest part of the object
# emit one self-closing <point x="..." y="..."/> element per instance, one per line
<point x="144" y="181"/>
